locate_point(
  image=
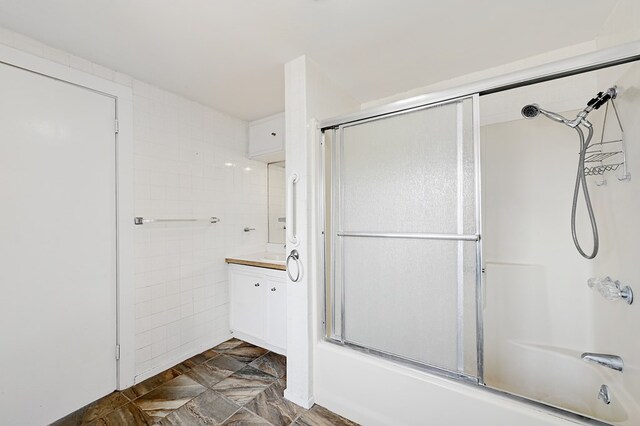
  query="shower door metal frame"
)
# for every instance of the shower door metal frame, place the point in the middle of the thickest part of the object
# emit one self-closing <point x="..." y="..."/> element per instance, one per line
<point x="336" y="222"/>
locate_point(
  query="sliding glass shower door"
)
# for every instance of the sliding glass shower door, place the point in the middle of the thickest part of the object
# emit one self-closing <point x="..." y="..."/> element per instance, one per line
<point x="402" y="236"/>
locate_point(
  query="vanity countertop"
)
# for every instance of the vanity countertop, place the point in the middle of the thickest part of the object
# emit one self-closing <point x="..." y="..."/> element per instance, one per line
<point x="260" y="260"/>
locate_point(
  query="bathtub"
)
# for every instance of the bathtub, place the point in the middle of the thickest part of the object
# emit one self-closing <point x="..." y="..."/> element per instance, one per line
<point x="557" y="376"/>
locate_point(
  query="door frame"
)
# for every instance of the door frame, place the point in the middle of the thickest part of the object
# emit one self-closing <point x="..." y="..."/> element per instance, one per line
<point x="125" y="318"/>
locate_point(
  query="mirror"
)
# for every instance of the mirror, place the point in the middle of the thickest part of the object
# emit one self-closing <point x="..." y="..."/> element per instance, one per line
<point x="276" y="203"/>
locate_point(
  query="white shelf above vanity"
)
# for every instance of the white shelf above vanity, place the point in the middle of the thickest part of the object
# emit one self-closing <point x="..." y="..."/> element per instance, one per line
<point x="266" y="139"/>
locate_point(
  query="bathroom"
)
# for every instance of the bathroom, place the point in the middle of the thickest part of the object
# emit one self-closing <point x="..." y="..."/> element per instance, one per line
<point x="254" y="267"/>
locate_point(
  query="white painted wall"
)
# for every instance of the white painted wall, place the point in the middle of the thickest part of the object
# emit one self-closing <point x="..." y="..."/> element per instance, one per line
<point x="528" y="175"/>
<point x="533" y="61"/>
<point x="190" y="161"/>
<point x="621" y="26"/>
<point x="532" y="267"/>
<point x="618" y="208"/>
<point x="299" y="311"/>
<point x="309" y="95"/>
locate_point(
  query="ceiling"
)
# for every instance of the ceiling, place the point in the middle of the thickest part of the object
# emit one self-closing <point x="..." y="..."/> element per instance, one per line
<point x="229" y="54"/>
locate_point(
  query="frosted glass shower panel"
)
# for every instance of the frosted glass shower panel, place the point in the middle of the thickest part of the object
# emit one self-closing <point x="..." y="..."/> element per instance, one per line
<point x="410" y="172"/>
<point x="402" y="236"/>
<point x="408" y="298"/>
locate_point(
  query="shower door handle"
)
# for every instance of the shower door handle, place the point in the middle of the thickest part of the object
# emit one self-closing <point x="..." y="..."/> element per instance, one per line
<point x="291" y="236"/>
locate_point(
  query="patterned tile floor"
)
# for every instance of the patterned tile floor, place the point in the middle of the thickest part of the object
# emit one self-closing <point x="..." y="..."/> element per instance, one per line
<point x="235" y="383"/>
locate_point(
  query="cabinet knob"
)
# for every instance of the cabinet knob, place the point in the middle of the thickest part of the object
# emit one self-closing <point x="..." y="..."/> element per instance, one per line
<point x="256" y="285"/>
<point x="273" y="133"/>
<point x="273" y="289"/>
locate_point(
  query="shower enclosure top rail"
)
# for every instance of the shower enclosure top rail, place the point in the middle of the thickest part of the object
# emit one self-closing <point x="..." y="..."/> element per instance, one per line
<point x="617" y="55"/>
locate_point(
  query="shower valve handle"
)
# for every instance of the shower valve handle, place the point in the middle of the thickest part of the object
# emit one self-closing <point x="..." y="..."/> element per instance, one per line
<point x="610" y="289"/>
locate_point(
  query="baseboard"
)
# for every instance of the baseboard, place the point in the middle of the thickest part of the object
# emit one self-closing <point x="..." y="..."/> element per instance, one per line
<point x="301" y="401"/>
<point x="177" y="360"/>
<point x="258" y="342"/>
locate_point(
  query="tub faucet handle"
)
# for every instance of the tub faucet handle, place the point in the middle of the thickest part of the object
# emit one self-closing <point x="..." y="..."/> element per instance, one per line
<point x="604" y="394"/>
<point x="610" y="289"/>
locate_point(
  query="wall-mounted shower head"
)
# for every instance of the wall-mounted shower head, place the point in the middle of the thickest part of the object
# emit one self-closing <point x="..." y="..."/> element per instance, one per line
<point x="530" y="111"/>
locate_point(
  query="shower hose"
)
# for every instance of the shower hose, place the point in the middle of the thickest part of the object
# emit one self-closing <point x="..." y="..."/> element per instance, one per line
<point x="582" y="180"/>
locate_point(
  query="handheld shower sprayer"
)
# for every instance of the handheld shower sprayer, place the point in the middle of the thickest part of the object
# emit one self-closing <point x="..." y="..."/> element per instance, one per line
<point x="533" y="110"/>
<point x="530" y="111"/>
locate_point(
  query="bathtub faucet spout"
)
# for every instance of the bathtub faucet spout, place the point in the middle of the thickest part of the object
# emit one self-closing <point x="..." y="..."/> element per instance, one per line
<point x="610" y="361"/>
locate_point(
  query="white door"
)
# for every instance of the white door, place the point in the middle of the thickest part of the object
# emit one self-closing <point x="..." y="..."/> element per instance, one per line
<point x="57" y="247"/>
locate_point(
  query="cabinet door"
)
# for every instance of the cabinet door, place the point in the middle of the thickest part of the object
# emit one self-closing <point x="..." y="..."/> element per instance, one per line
<point x="266" y="137"/>
<point x="277" y="313"/>
<point x="248" y="303"/>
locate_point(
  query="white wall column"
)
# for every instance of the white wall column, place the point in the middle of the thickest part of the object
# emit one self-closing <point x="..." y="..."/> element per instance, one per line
<point x="299" y="378"/>
<point x="309" y="96"/>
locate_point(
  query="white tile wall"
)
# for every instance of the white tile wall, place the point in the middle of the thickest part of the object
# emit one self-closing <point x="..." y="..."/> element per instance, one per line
<point x="277" y="204"/>
<point x="190" y="161"/>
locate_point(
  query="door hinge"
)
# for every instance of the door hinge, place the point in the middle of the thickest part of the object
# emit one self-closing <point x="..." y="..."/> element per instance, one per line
<point x="116" y="125"/>
<point x="117" y="352"/>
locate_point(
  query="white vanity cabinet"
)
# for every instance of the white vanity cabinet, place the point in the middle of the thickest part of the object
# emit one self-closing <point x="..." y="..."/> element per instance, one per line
<point x="248" y="307"/>
<point x="258" y="306"/>
<point x="266" y="139"/>
<point x="277" y="312"/>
